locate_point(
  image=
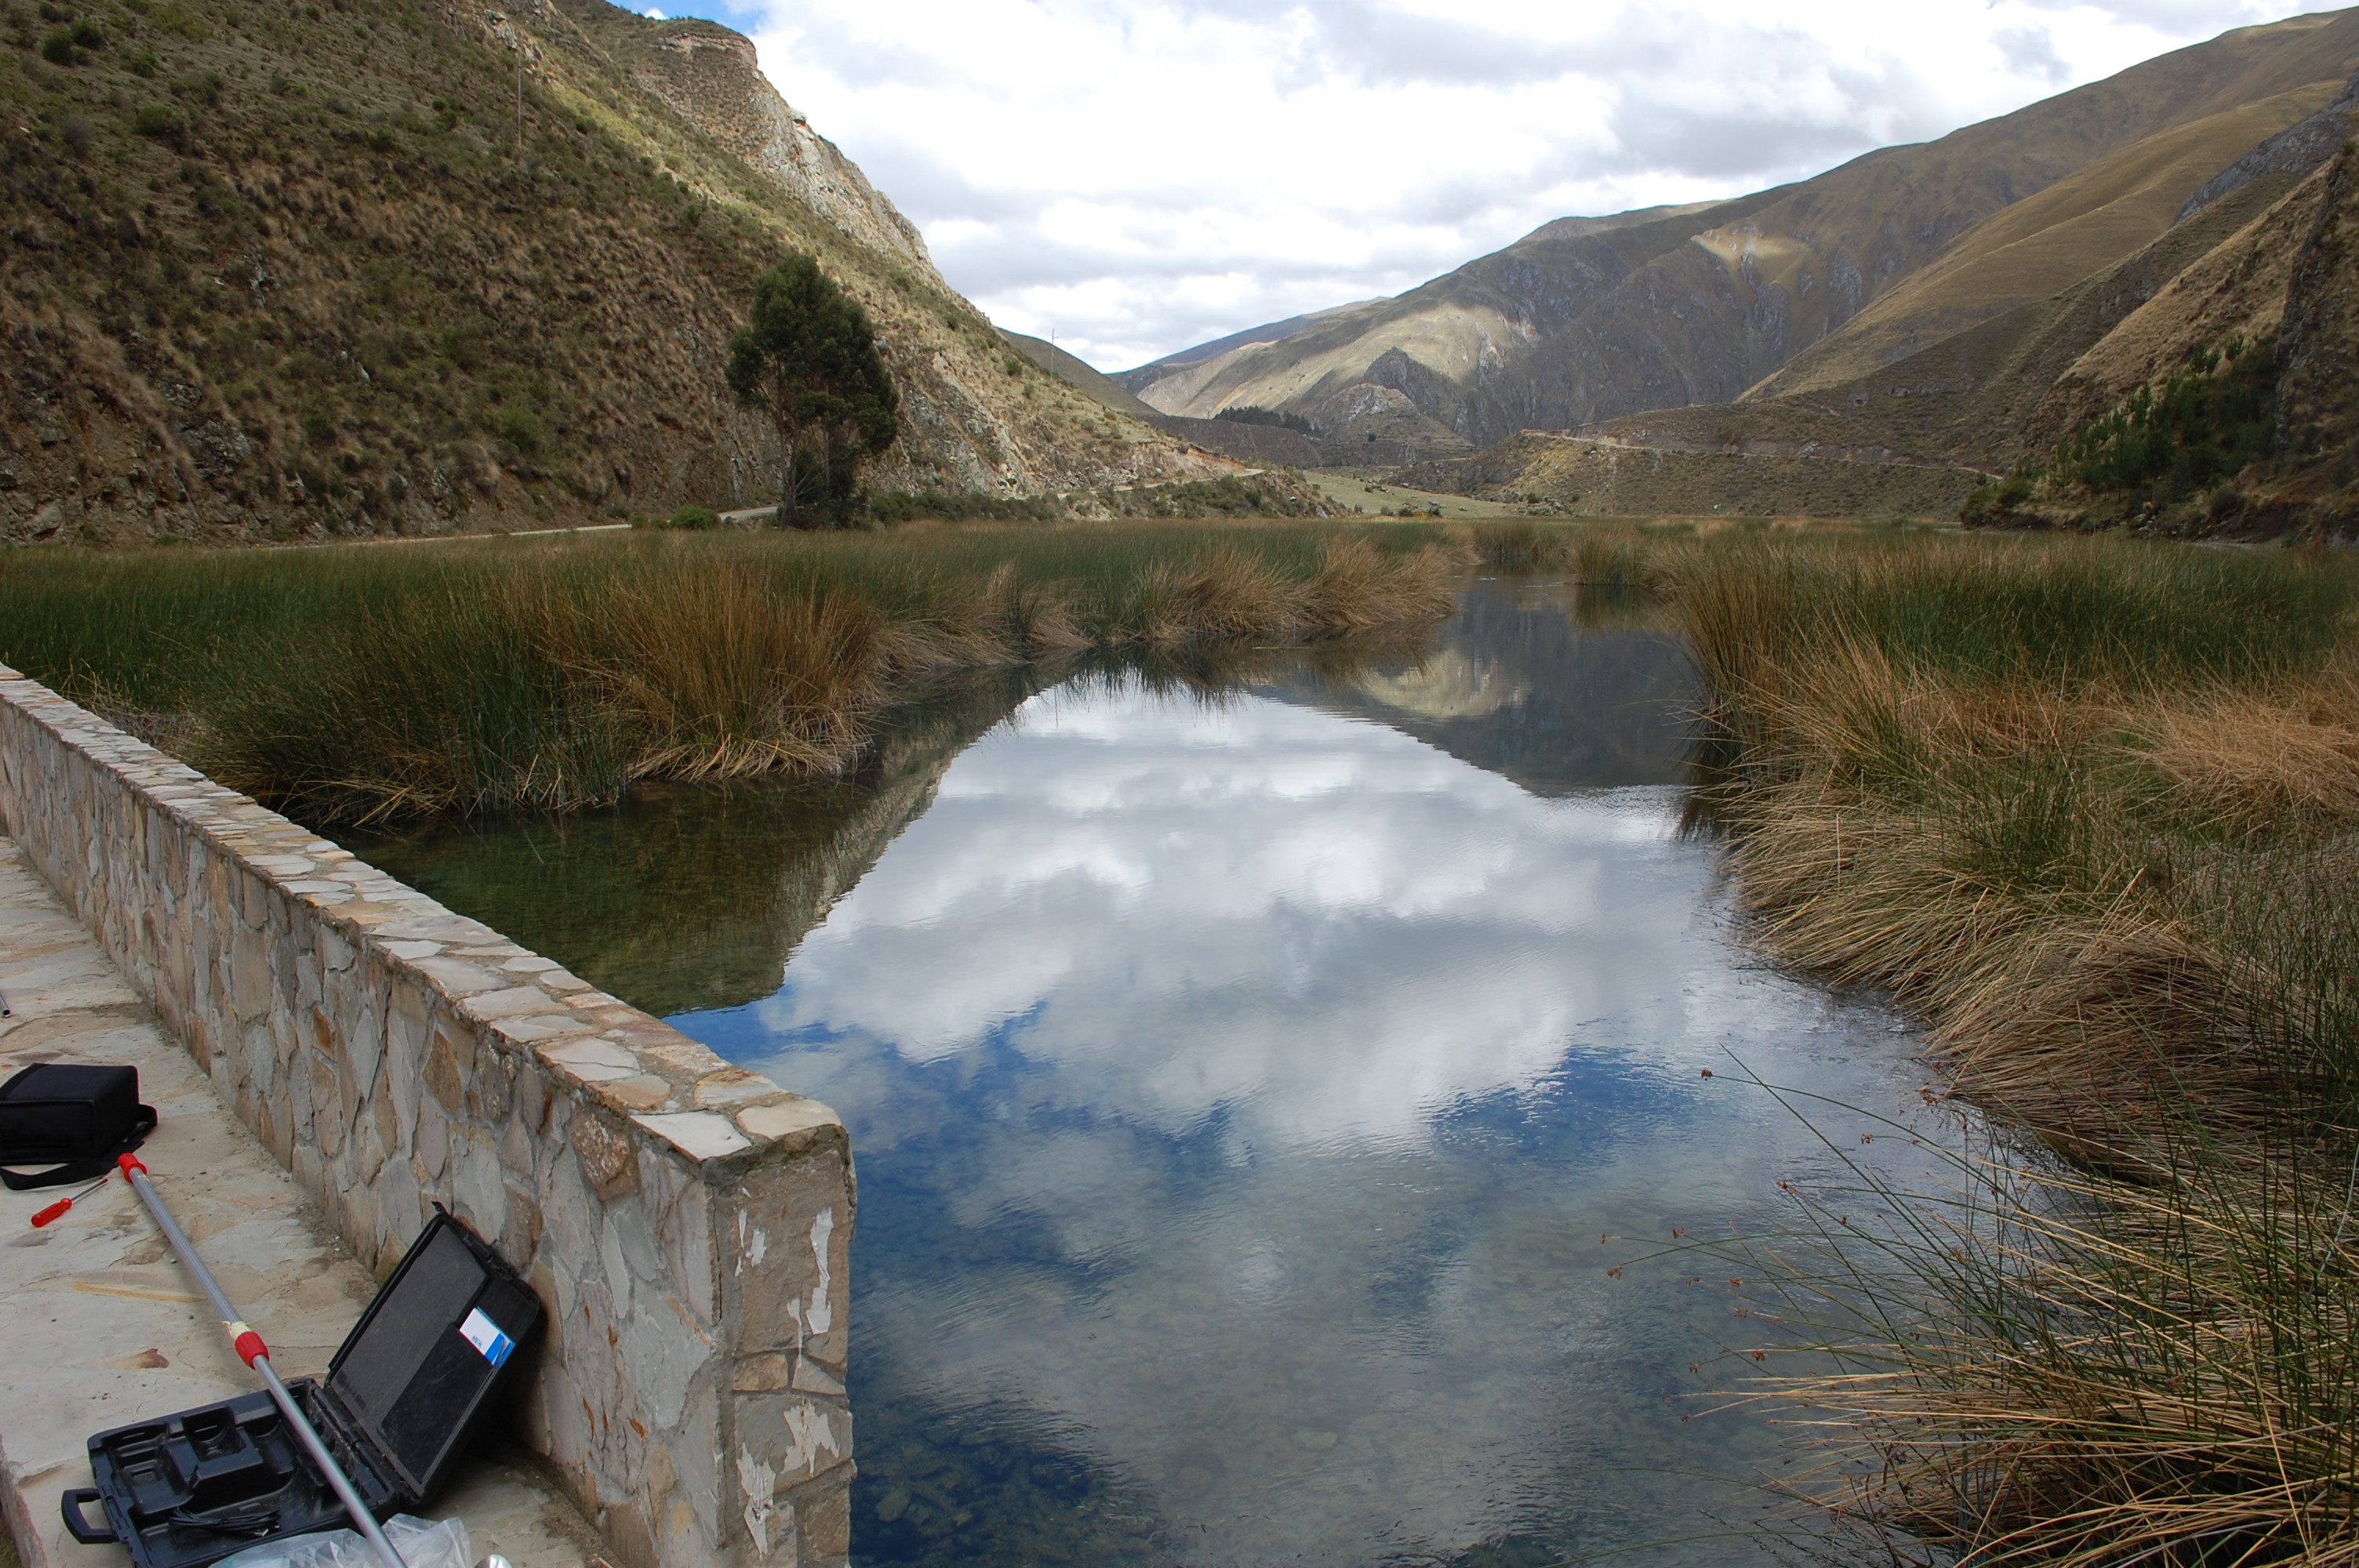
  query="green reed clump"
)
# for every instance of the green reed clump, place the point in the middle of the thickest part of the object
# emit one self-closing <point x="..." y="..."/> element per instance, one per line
<point x="2091" y="808"/>
<point x="391" y="681"/>
<point x="2011" y="1360"/>
<point x="1621" y="556"/>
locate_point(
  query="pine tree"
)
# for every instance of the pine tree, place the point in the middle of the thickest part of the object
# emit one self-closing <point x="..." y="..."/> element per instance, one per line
<point x="808" y="356"/>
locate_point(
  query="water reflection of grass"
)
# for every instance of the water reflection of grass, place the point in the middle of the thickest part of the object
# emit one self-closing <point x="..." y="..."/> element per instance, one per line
<point x="2090" y="807"/>
<point x="377" y="683"/>
<point x="693" y="896"/>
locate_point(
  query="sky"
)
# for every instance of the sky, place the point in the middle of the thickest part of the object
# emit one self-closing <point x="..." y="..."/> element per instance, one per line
<point x="1134" y="176"/>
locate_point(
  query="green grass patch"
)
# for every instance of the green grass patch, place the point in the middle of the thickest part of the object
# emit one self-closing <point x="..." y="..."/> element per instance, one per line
<point x="2090" y="807"/>
<point x="371" y="682"/>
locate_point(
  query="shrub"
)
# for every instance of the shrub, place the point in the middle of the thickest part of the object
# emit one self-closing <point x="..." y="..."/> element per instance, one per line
<point x="520" y="428"/>
<point x="909" y="506"/>
<point x="1253" y="414"/>
<point x="159" y="123"/>
<point x="1227" y="497"/>
<point x="1995" y="500"/>
<point x="694" y="516"/>
<point x="2198" y="426"/>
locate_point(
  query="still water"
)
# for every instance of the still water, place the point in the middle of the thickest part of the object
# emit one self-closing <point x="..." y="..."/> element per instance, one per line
<point x="1253" y="1081"/>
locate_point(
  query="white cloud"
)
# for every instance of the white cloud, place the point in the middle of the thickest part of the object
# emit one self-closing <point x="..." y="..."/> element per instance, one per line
<point x="1136" y="176"/>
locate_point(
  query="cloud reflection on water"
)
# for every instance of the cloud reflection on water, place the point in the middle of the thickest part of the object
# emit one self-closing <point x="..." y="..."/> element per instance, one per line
<point x="1241" y="1089"/>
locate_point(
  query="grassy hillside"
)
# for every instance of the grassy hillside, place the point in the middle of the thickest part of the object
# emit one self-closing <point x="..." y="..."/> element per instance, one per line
<point x="2083" y="224"/>
<point x="385" y="266"/>
<point x="1586" y="477"/>
<point x="1568" y="327"/>
<point x="2199" y="384"/>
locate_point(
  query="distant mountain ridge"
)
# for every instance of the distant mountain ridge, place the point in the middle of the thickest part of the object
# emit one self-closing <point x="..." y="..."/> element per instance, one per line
<point x="1808" y="286"/>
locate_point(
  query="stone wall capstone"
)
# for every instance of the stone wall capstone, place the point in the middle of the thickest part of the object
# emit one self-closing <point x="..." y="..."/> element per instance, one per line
<point x="685" y="1222"/>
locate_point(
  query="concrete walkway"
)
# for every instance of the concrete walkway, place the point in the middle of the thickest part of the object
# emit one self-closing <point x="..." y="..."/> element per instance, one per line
<point x="101" y="1328"/>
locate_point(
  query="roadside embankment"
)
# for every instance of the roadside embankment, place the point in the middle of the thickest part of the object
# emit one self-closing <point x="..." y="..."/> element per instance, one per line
<point x="685" y="1223"/>
<point x="367" y="683"/>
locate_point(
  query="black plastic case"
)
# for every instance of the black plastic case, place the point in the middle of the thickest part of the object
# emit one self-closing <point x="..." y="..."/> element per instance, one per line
<point x="401" y="1399"/>
<point x="72" y="1115"/>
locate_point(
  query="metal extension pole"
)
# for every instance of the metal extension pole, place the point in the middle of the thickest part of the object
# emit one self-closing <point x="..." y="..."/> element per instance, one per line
<point x="254" y="1354"/>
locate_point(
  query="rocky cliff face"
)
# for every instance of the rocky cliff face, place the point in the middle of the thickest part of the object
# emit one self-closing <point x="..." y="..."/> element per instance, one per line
<point x="410" y="268"/>
<point x="710" y="76"/>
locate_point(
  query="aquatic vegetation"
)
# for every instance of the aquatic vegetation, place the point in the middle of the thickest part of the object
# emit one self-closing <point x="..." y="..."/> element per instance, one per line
<point x="2091" y="808"/>
<point x="371" y="683"/>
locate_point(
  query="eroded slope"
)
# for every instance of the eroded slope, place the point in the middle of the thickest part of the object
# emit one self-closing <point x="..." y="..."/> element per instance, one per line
<point x="407" y="266"/>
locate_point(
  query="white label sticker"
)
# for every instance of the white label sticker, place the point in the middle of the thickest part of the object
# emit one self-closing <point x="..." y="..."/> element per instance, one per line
<point x="485" y="1335"/>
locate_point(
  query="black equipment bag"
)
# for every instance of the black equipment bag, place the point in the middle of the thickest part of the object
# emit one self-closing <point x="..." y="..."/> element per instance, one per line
<point x="408" y="1389"/>
<point x="73" y="1118"/>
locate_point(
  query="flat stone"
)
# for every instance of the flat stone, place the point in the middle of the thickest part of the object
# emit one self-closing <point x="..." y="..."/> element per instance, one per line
<point x="641" y="1091"/>
<point x="700" y="1134"/>
<point x="783" y="1119"/>
<point x="585" y="1055"/>
<point x="730" y="1086"/>
<point x="458" y="979"/>
<point x="515" y="1001"/>
<point x="544" y="1026"/>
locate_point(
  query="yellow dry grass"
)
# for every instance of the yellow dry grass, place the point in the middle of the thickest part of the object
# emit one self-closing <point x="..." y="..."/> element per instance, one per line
<point x="2119" y="879"/>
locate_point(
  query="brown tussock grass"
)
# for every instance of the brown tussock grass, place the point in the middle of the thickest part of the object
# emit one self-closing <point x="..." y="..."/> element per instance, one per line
<point x="2258" y="763"/>
<point x="2117" y="875"/>
<point x="2109" y="1373"/>
<point x="721" y="675"/>
<point x="550" y="677"/>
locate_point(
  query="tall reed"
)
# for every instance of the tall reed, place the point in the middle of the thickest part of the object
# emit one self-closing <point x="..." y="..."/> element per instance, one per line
<point x="391" y="681"/>
<point x="2093" y="810"/>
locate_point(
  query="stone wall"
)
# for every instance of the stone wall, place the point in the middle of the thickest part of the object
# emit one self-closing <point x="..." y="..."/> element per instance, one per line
<point x="685" y="1222"/>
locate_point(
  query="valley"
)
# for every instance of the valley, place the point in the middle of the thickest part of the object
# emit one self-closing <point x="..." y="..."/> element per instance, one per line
<point x="1689" y="892"/>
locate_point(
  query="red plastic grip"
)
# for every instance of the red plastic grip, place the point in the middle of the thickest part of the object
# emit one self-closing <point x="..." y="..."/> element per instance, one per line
<point x="52" y="1214"/>
<point x="127" y="1163"/>
<point x="249" y="1345"/>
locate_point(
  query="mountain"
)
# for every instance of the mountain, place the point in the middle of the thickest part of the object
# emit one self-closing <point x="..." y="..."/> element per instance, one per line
<point x="1270" y="333"/>
<point x="399" y="266"/>
<point x="2241" y="306"/>
<point x="1803" y="288"/>
<point x="1262" y="445"/>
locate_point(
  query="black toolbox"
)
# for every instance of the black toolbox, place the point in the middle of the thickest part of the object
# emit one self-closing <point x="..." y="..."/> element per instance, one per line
<point x="405" y="1393"/>
<point x="73" y="1117"/>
